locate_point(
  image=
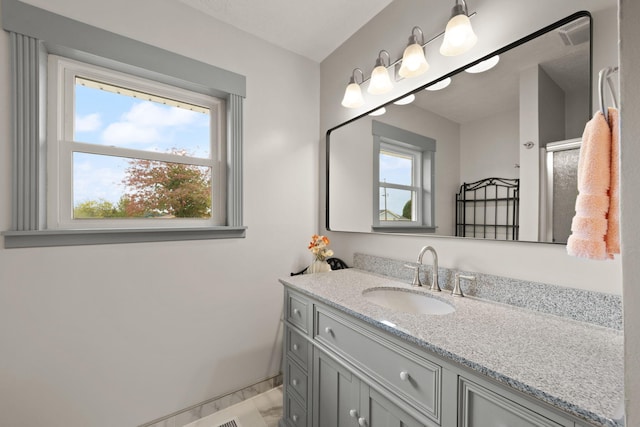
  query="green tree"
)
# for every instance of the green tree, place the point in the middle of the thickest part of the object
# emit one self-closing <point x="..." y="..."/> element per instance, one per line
<point x="406" y="210"/>
<point x="97" y="209"/>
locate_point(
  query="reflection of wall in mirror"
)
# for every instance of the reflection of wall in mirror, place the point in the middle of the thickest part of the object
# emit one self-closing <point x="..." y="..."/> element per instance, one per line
<point x="547" y="114"/>
<point x="500" y="132"/>
<point x="350" y="186"/>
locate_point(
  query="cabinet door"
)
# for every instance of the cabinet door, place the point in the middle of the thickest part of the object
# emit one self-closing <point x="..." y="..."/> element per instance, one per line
<point x="481" y="407"/>
<point x="336" y="393"/>
<point x="380" y="412"/>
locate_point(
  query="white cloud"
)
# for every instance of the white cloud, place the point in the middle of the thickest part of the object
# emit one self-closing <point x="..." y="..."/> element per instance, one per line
<point x="151" y="114"/>
<point x="88" y="123"/>
<point x="98" y="177"/>
<point x="127" y="132"/>
<point x="147" y="122"/>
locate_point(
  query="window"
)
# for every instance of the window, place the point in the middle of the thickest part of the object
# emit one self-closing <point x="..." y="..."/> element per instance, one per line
<point x="399" y="184"/>
<point x="403" y="183"/>
<point x="129" y="152"/>
<point x="166" y="166"/>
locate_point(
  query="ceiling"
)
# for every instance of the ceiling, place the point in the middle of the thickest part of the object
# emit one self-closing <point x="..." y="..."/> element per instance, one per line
<point x="311" y="28"/>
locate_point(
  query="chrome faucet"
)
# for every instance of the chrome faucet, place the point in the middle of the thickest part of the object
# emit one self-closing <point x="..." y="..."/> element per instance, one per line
<point x="434" y="278"/>
<point x="416" y="276"/>
<point x="457" y="291"/>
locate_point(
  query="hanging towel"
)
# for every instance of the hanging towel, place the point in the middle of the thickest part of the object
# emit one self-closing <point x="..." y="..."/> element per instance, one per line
<point x="589" y="225"/>
<point x="613" y="218"/>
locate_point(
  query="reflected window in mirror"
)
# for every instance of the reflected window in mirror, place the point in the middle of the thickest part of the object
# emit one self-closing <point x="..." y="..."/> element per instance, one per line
<point x="403" y="163"/>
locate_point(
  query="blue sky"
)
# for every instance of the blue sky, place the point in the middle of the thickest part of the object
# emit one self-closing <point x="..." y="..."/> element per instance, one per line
<point x="107" y="118"/>
<point x="396" y="170"/>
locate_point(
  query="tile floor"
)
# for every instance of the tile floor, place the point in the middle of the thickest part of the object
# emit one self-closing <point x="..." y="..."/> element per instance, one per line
<point x="263" y="410"/>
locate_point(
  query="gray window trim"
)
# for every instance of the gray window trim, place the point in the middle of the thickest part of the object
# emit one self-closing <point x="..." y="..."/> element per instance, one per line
<point x="383" y="132"/>
<point x="35" y="33"/>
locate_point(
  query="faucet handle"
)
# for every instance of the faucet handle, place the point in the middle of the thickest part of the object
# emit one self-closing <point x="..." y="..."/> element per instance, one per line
<point x="416" y="276"/>
<point x="457" y="292"/>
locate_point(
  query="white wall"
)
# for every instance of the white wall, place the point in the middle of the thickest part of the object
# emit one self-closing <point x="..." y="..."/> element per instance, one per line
<point x="118" y="335"/>
<point x="497" y="23"/>
<point x="630" y="200"/>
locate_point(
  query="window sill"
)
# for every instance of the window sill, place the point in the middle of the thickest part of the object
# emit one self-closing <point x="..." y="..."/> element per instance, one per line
<point x="45" y="238"/>
<point x="403" y="229"/>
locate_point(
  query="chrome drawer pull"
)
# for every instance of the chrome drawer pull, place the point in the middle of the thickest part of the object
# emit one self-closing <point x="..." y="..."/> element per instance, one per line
<point x="353" y="413"/>
<point x="404" y="375"/>
<point x="296" y="311"/>
<point x="328" y="330"/>
<point x="362" y="421"/>
<point x="294" y="382"/>
<point x="295" y="347"/>
<point x="294" y="418"/>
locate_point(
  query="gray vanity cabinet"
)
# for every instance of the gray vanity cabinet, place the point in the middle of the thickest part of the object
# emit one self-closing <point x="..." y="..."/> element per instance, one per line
<point x="340" y="371"/>
<point x="379" y="411"/>
<point x="480" y="406"/>
<point x="341" y="399"/>
<point x="336" y="393"/>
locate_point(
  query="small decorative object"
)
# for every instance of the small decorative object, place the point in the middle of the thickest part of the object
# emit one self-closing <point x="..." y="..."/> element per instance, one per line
<point x="319" y="247"/>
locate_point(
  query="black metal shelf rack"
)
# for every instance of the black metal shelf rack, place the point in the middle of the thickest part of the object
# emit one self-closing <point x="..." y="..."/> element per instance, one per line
<point x="489" y="209"/>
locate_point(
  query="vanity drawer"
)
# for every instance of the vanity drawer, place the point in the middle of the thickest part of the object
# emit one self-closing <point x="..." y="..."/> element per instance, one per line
<point x="296" y="381"/>
<point x="295" y="413"/>
<point x="297" y="347"/>
<point x="415" y="379"/>
<point x="297" y="309"/>
<point x="478" y="405"/>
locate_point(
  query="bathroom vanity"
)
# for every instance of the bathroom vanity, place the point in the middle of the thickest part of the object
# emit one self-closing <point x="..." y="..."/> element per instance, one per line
<point x="352" y="362"/>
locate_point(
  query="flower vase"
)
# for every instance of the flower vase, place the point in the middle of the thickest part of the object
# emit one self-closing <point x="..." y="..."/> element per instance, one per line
<point x="318" y="266"/>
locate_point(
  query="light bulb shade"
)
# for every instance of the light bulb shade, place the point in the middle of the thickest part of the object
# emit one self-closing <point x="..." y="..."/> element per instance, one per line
<point x="483" y="66"/>
<point x="378" y="112"/>
<point x="380" y="81"/>
<point x="353" y="96"/>
<point x="406" y="100"/>
<point x="440" y="85"/>
<point x="414" y="62"/>
<point x="458" y="36"/>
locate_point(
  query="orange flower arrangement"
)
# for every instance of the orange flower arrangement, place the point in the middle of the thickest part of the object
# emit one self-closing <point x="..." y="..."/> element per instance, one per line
<point x="319" y="247"/>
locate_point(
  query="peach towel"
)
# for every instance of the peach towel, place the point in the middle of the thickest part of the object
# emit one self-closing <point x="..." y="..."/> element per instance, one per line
<point x="613" y="230"/>
<point x="595" y="227"/>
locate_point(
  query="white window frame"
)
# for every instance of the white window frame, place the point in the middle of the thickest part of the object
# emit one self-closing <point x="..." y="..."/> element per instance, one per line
<point x="415" y="187"/>
<point x="35" y="33"/>
<point x="61" y="146"/>
<point x="423" y="149"/>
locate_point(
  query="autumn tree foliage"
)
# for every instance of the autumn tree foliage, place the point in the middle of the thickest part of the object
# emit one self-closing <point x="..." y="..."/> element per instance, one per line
<point x="156" y="189"/>
<point x="167" y="189"/>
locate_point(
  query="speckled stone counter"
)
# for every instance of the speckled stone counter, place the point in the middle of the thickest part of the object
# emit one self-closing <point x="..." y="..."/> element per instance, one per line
<point x="576" y="367"/>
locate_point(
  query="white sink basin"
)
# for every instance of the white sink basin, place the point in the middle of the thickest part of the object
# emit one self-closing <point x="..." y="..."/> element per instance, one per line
<point x="407" y="301"/>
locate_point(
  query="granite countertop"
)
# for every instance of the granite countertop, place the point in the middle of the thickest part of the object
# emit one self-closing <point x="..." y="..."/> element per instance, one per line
<point x="576" y="367"/>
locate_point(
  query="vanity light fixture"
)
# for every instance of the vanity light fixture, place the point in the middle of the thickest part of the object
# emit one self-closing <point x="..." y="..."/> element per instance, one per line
<point x="459" y="36"/>
<point x="485" y="65"/>
<point x="414" y="62"/>
<point x="380" y="81"/>
<point x="353" y="94"/>
<point x="378" y="112"/>
<point x="440" y="85"/>
<point x="406" y="100"/>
